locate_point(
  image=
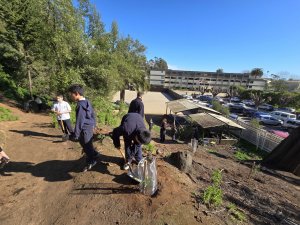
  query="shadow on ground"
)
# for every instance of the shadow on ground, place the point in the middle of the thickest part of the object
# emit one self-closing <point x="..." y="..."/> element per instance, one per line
<point x="34" y="134"/>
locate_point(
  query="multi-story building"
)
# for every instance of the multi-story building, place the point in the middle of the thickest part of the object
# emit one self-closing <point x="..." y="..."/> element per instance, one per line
<point x="197" y="80"/>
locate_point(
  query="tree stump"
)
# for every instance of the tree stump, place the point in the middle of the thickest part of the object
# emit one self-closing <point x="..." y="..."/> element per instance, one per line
<point x="182" y="160"/>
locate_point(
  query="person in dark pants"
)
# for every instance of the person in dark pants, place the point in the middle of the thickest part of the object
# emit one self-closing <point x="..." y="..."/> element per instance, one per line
<point x="135" y="134"/>
<point x="163" y="130"/>
<point x="151" y="124"/>
<point x="39" y="102"/>
<point x="137" y="105"/>
<point x="62" y="110"/>
<point x="85" y="124"/>
<point x="196" y="134"/>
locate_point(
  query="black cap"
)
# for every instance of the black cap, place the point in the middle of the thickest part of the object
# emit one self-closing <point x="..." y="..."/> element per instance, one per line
<point x="144" y="136"/>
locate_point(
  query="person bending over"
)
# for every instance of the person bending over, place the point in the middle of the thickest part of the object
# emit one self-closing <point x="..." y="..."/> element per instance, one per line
<point x="135" y="134"/>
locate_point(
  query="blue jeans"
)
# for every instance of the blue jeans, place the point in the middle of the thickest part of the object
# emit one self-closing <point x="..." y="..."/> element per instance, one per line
<point x="86" y="142"/>
<point x="133" y="151"/>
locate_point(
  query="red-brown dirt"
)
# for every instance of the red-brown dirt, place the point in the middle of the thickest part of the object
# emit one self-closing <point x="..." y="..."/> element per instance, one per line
<point x="43" y="184"/>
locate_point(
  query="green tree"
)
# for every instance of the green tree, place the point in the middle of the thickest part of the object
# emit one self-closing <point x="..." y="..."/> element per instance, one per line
<point x="158" y="64"/>
<point x="219" y="71"/>
<point x="257" y="72"/>
<point x="278" y="84"/>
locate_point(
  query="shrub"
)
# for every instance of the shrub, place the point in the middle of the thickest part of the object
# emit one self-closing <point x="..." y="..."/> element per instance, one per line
<point x="222" y="109"/>
<point x="255" y="123"/>
<point x="10" y="88"/>
<point x="6" y="115"/>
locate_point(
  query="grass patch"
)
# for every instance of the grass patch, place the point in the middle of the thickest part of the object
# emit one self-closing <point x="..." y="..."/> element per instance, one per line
<point x="242" y="155"/>
<point x="6" y="115"/>
<point x="248" y="151"/>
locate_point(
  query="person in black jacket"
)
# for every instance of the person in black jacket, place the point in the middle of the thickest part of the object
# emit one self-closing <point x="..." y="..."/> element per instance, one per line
<point x="137" y="105"/>
<point x="135" y="134"/>
<point x="163" y="130"/>
<point x="85" y="124"/>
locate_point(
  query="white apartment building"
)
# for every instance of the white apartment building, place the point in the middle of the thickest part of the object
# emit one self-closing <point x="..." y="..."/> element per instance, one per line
<point x="197" y="80"/>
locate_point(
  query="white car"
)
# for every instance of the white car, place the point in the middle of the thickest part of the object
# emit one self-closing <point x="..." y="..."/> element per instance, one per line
<point x="283" y="115"/>
<point x="290" y="123"/>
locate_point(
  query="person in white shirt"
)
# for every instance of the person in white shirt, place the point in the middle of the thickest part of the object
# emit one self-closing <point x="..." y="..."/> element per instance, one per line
<point x="62" y="110"/>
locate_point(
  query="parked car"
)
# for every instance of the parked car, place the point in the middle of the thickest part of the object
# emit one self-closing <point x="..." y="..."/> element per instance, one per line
<point x="258" y="114"/>
<point x="287" y="109"/>
<point x="269" y="120"/>
<point x="219" y="99"/>
<point x="237" y="105"/>
<point x="249" y="111"/>
<point x="249" y="103"/>
<point x="266" y="107"/>
<point x="290" y="123"/>
<point x="205" y="98"/>
<point x="283" y="115"/>
<point x="235" y="99"/>
<point x="189" y="97"/>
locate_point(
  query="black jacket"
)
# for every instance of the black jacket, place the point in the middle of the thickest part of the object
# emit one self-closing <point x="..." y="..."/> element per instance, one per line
<point x="131" y="123"/>
<point x="85" y="117"/>
<point x="137" y="106"/>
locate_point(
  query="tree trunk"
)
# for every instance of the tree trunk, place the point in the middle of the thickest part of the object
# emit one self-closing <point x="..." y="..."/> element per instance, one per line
<point x="122" y="95"/>
<point x="30" y="82"/>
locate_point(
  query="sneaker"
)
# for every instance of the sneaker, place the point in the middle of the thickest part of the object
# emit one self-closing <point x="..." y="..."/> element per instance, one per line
<point x="97" y="156"/>
<point x="89" y="166"/>
<point x="3" y="162"/>
<point x="126" y="166"/>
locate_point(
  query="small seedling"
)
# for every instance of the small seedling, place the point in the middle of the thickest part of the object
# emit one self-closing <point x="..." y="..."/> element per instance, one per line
<point x="213" y="195"/>
<point x="149" y="148"/>
<point x="236" y="214"/>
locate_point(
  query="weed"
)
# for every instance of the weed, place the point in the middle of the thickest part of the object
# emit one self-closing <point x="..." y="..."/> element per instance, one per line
<point x="213" y="195"/>
<point x="6" y="115"/>
<point x="236" y="214"/>
<point x="241" y="155"/>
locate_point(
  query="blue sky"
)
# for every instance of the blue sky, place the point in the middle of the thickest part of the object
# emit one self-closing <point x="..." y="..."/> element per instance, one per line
<point x="205" y="35"/>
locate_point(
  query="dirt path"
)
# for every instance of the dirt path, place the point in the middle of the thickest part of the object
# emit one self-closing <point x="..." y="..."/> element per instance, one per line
<point x="43" y="183"/>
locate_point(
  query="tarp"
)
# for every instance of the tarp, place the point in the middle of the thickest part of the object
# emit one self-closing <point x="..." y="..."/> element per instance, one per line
<point x="182" y="105"/>
<point x="226" y="121"/>
<point x="286" y="156"/>
<point x="207" y="120"/>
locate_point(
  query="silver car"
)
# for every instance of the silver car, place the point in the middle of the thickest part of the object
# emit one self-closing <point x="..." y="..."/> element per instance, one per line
<point x="269" y="120"/>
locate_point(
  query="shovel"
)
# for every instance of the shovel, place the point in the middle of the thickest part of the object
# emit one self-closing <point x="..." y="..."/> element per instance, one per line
<point x="65" y="136"/>
<point x="131" y="174"/>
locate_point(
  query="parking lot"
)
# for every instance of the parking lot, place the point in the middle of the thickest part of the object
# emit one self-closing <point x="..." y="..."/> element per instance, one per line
<point x="271" y="119"/>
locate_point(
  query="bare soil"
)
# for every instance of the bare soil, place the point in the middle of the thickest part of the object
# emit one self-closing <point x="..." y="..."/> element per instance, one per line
<point x="43" y="184"/>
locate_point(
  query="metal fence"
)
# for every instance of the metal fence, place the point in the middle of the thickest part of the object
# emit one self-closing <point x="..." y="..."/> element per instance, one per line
<point x="259" y="137"/>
